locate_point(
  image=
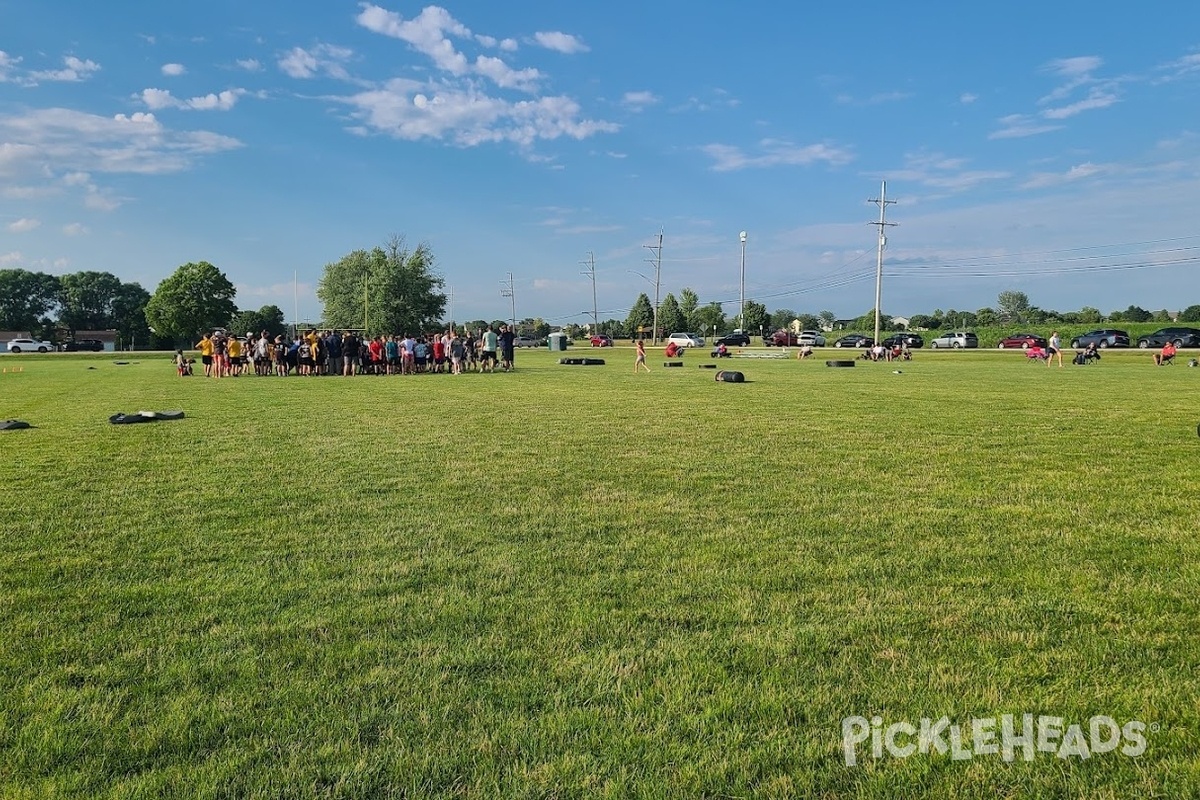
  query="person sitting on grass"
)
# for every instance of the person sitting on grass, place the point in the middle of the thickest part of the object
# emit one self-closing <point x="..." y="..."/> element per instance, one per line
<point x="673" y="350"/>
<point x="183" y="364"/>
<point x="804" y="352"/>
<point x="720" y="351"/>
<point x="1035" y="352"/>
<point x="1166" y="355"/>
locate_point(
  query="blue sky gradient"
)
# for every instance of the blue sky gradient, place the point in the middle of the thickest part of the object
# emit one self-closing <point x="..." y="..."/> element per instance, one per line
<point x="1049" y="148"/>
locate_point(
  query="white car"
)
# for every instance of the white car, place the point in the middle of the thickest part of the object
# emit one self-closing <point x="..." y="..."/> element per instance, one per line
<point x="29" y="346"/>
<point x="814" y="338"/>
<point x="686" y="340"/>
<point x="527" y="341"/>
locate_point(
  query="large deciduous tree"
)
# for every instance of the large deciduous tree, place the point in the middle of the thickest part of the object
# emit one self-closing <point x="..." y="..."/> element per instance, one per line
<point x="196" y="298"/>
<point x="709" y="319"/>
<point x="268" y="318"/>
<point x="670" y="316"/>
<point x="389" y="289"/>
<point x="1012" y="306"/>
<point x="689" y="301"/>
<point x="1190" y="314"/>
<point x="26" y="298"/>
<point x="87" y="300"/>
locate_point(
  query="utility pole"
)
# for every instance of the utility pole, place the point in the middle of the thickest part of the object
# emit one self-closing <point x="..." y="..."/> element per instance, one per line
<point x="591" y="273"/>
<point x="657" y="262"/>
<point x="507" y="291"/>
<point x="450" y="306"/>
<point x="883" y="203"/>
<point x="742" y="305"/>
<point x="366" y="304"/>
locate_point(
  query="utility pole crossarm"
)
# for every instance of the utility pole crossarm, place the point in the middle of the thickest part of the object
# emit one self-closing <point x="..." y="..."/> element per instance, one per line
<point x="657" y="262"/>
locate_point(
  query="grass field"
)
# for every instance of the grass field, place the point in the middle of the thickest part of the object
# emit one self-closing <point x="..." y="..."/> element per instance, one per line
<point x="574" y="582"/>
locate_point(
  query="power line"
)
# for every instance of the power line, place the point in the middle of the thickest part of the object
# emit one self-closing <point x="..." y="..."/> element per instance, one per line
<point x="657" y="262"/>
<point x="591" y="272"/>
<point x="507" y="291"/>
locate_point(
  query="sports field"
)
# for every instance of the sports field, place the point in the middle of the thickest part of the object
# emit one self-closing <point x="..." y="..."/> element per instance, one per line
<point x="575" y="582"/>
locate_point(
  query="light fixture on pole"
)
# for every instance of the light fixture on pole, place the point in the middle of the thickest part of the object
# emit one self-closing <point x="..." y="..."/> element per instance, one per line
<point x="742" y="295"/>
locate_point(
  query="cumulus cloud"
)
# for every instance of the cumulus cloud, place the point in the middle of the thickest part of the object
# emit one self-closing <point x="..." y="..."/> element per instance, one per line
<point x="75" y="229"/>
<point x="24" y="225"/>
<point x="74" y="69"/>
<point x="966" y="98"/>
<point x="428" y="33"/>
<point x="323" y="58"/>
<point x="560" y="42"/>
<point x="773" y="153"/>
<point x="173" y="70"/>
<point x="64" y="147"/>
<point x="157" y="99"/>
<point x="7" y="65"/>
<point x="636" y="101"/>
<point x="12" y="257"/>
<point x="249" y="64"/>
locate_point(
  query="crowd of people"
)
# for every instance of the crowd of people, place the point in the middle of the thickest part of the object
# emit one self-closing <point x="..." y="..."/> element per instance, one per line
<point x="346" y="353"/>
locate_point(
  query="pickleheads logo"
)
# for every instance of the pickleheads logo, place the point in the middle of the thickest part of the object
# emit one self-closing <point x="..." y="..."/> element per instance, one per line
<point x="1004" y="736"/>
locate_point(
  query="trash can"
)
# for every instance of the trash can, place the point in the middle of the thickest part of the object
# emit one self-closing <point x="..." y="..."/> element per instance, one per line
<point x="557" y="341"/>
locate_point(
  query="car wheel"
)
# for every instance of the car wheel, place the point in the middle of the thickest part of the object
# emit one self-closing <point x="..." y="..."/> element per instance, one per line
<point x="41" y="350"/>
<point x="1142" y="343"/>
<point x="14" y="349"/>
<point x="1000" y="346"/>
<point x="956" y="345"/>
<point x="1103" y="344"/>
<point x="1024" y="345"/>
<point x="1075" y="343"/>
<point x="1178" y="342"/>
<point x="933" y="345"/>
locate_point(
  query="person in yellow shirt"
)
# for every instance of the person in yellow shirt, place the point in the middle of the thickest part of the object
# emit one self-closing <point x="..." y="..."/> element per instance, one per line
<point x="235" y="355"/>
<point x="205" y="346"/>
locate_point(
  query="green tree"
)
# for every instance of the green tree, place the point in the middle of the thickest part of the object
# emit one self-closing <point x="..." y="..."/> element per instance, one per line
<point x="1012" y="306"/>
<point x="1190" y="314"/>
<point x="780" y="318"/>
<point x="756" y="317"/>
<point x="86" y="300"/>
<point x="268" y="318"/>
<point x="689" y="301"/>
<point x="389" y="289"/>
<point x="1162" y="316"/>
<point x="196" y="298"/>
<point x="809" y="322"/>
<point x="709" y="318"/>
<point x="670" y="315"/>
<point x="827" y="319"/>
<point x="129" y="314"/>
<point x="1089" y="315"/>
<point x="641" y="316"/>
<point x="920" y="322"/>
<point x="25" y="298"/>
<point x="1136" y="314"/>
<point x="985" y="317"/>
<point x="867" y="322"/>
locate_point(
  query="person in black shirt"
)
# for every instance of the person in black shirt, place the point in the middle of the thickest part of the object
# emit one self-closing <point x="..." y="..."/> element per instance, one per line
<point x="507" y="338"/>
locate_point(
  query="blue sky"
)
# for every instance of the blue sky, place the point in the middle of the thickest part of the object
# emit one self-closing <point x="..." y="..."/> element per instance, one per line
<point x="1046" y="147"/>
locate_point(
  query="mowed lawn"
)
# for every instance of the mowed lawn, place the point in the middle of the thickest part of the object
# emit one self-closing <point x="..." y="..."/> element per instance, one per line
<point x="575" y="582"/>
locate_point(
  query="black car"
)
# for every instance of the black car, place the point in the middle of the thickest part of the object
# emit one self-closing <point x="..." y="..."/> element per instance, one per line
<point x="734" y="340"/>
<point x="912" y="340"/>
<point x="1104" y="337"/>
<point x="1182" y="337"/>
<point x="855" y="340"/>
<point x="81" y="345"/>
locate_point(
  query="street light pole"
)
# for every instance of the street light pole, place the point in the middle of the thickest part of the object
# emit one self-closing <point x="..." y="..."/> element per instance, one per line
<point x="742" y="307"/>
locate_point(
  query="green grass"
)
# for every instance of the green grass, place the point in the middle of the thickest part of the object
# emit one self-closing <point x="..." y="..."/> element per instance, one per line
<point x="577" y="582"/>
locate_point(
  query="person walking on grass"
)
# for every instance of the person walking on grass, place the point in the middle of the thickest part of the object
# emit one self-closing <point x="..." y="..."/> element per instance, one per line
<point x="640" y="357"/>
<point x="1054" y="348"/>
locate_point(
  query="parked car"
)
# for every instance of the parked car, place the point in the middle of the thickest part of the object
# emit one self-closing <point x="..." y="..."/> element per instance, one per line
<point x="1105" y="337"/>
<point x="29" y="346"/>
<point x="602" y="340"/>
<point x="734" y="340"/>
<point x="1022" y="340"/>
<point x="82" y="345"/>
<point x="955" y="340"/>
<point x="1182" y="337"/>
<point x="528" y="341"/>
<point x="813" y="338"/>
<point x="781" y="338"/>
<point x="910" y="340"/>
<point x="686" y="340"/>
<point x="855" y="340"/>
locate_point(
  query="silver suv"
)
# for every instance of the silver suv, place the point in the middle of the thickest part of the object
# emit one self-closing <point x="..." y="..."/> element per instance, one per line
<point x="955" y="340"/>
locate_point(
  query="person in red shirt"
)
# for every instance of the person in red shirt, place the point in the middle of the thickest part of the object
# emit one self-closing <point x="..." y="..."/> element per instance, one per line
<point x="672" y="350"/>
<point x="439" y="353"/>
<point x="376" y="348"/>
<point x="1165" y="355"/>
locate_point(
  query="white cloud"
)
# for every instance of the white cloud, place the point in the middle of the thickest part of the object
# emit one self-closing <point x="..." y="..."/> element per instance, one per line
<point x="75" y="69"/>
<point x="505" y="76"/>
<point x="249" y="64"/>
<point x="427" y="33"/>
<point x="775" y="153"/>
<point x="98" y="200"/>
<point x="7" y="65"/>
<point x="560" y="42"/>
<point x="13" y="257"/>
<point x="405" y="109"/>
<point x="24" y="225"/>
<point x="1079" y="172"/>
<point x="1097" y="98"/>
<point x="636" y="101"/>
<point x="966" y="98"/>
<point x="938" y="171"/>
<point x="75" y="229"/>
<point x="324" y="58"/>
<point x="156" y="99"/>
<point x="61" y="146"/>
<point x="1179" y="68"/>
<point x="173" y="70"/>
<point x="1015" y="126"/>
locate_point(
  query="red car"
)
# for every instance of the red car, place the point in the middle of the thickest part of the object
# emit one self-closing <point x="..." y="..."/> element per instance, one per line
<point x="602" y="340"/>
<point x="1022" y="341"/>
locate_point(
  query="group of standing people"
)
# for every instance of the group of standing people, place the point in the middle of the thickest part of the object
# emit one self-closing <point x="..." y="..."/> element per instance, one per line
<point x="347" y="353"/>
